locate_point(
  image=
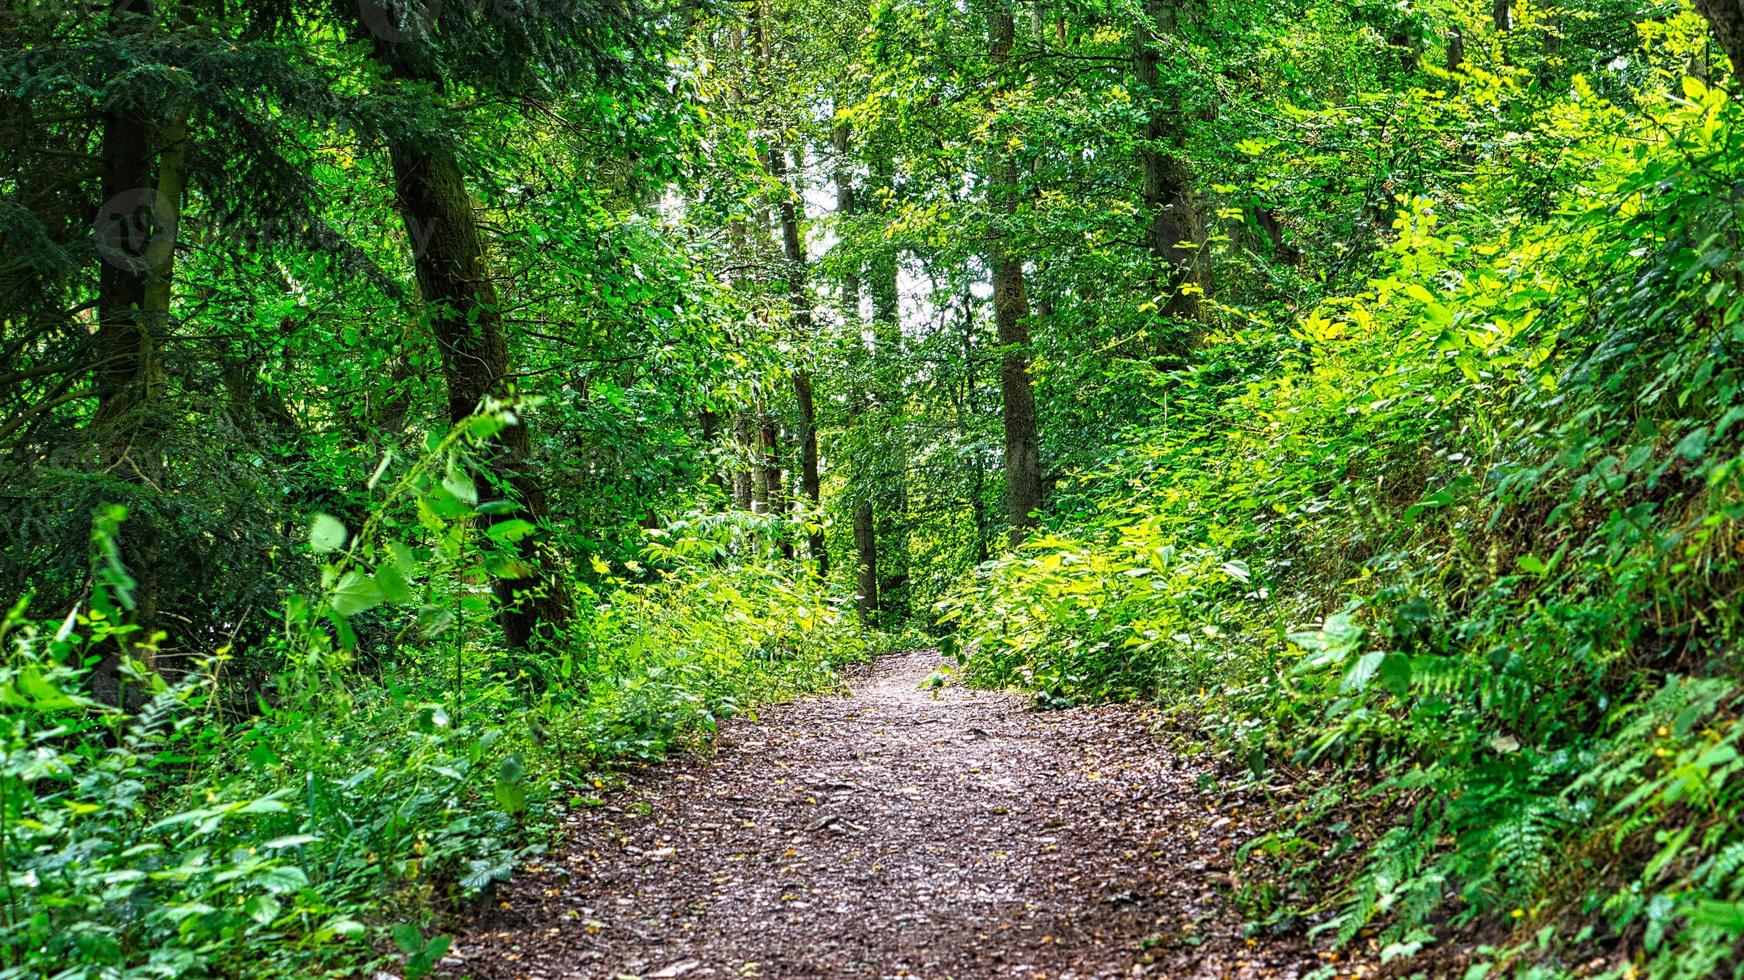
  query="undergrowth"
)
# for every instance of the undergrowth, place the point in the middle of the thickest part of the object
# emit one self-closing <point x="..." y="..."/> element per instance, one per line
<point x="1461" y="548"/>
<point x="325" y="822"/>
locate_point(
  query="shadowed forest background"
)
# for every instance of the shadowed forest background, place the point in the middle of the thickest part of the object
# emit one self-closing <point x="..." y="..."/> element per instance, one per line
<point x="412" y="411"/>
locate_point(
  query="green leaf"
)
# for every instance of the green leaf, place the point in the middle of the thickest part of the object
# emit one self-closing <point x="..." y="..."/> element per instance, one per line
<point x="1532" y="565"/>
<point x="393" y="585"/>
<point x="42" y="692"/>
<point x="326" y="533"/>
<point x="513" y="529"/>
<point x="355" y="593"/>
<point x="281" y="878"/>
<point x="1394" y="675"/>
<point x="445" y="505"/>
<point x="512" y="797"/>
<point x="294" y="840"/>
<point x="433" y="621"/>
<point x="1728" y="916"/>
<point x="508" y="567"/>
<point x="1357" y="677"/>
<point x="461" y="486"/>
<point x="266" y="804"/>
<point x="403" y="558"/>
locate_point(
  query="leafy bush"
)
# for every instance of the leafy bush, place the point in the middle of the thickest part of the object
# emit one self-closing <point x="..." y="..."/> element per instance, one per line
<point x="1502" y="481"/>
<point x="198" y="833"/>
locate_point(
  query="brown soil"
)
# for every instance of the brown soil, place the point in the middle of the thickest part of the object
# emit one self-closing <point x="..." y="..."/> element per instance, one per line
<point x="893" y="833"/>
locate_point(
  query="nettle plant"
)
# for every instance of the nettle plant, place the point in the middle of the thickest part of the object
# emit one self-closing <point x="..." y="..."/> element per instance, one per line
<point x="422" y="547"/>
<point x="163" y="838"/>
<point x="121" y="857"/>
<point x="399" y="760"/>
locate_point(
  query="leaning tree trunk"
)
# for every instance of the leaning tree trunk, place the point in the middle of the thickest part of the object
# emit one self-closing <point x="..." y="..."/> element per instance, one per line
<point x="1174" y="232"/>
<point x="1727" y="19"/>
<point x="799" y="289"/>
<point x="455" y="280"/>
<point x="1023" y="470"/>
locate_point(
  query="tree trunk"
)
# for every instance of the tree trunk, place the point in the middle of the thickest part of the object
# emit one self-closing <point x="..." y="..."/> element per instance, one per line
<point x="144" y="173"/>
<point x="809" y="481"/>
<point x="455" y="280"/>
<point x="711" y="434"/>
<point x="799" y="290"/>
<point x="761" y="497"/>
<point x="769" y="441"/>
<point x="865" y="517"/>
<point x="744" y="491"/>
<point x="1175" y="234"/>
<point x="1023" y="470"/>
<point x="966" y="422"/>
<point x="1727" y="19"/>
<point x="887" y="388"/>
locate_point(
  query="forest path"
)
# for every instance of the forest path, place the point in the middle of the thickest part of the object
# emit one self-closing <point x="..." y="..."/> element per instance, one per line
<point x="892" y="834"/>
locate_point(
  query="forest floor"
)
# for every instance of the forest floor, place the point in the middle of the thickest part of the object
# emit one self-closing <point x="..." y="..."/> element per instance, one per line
<point x="892" y="833"/>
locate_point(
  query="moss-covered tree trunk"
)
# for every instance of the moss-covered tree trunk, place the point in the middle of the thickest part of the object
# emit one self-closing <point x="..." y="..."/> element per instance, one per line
<point x="1023" y="469"/>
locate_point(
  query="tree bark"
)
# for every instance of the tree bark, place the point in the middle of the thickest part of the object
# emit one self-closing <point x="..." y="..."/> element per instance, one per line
<point x="454" y="278"/>
<point x="1023" y="471"/>
<point x="761" y="498"/>
<point x="799" y="290"/>
<point x="769" y="444"/>
<point x="711" y="434"/>
<point x="144" y="173"/>
<point x="1726" y="17"/>
<point x="1175" y="233"/>
<point x="744" y="490"/>
<point x="865" y="517"/>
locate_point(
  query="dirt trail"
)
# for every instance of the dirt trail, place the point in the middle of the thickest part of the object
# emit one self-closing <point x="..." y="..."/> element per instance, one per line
<point x="892" y="834"/>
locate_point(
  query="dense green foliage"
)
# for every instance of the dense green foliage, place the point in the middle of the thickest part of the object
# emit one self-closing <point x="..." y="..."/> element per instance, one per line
<point x="180" y="838"/>
<point x="1501" y="481"/>
<point x="409" y="410"/>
